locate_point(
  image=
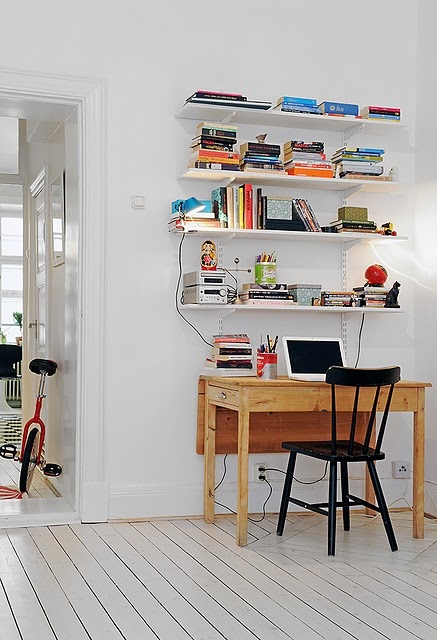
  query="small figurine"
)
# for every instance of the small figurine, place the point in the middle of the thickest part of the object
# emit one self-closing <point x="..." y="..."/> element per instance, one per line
<point x="208" y="257"/>
<point x="261" y="138"/>
<point x="391" y="299"/>
<point x="386" y="229"/>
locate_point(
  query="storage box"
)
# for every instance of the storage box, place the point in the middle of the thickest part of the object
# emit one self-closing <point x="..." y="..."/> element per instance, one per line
<point x="305" y="294"/>
<point x="358" y="214"/>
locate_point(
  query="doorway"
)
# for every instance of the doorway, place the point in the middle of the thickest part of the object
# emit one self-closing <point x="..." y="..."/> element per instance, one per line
<point x="78" y="104"/>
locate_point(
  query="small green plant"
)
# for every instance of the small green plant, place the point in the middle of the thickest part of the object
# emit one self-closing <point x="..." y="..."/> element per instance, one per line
<point x="2" y="337"/>
<point x="18" y="318"/>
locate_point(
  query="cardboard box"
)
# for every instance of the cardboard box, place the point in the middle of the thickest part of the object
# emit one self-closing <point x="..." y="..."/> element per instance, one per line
<point x="358" y="214"/>
<point x="305" y="294"/>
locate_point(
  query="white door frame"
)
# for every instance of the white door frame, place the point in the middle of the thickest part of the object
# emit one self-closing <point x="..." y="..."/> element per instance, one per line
<point x="89" y="96"/>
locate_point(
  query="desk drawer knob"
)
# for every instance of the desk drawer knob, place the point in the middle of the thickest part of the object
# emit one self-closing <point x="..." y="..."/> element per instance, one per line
<point x="223" y="395"/>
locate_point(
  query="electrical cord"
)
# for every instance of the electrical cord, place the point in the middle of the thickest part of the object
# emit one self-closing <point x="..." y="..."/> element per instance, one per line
<point x="297" y="479"/>
<point x="177" y="293"/>
<point x="359" y="339"/>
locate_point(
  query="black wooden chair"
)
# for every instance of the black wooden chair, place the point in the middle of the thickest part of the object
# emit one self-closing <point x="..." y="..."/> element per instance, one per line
<point x="348" y="450"/>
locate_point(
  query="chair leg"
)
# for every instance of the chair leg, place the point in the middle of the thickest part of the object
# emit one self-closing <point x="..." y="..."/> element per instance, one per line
<point x="332" y="508"/>
<point x="286" y="493"/>
<point x="382" y="505"/>
<point x="345" y="494"/>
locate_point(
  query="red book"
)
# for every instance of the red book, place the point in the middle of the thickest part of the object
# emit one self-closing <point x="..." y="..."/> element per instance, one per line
<point x="248" y="206"/>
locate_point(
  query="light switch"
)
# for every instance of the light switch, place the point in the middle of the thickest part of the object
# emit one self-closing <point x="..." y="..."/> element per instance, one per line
<point x="137" y="202"/>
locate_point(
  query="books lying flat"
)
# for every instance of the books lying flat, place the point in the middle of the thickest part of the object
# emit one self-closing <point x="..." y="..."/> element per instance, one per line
<point x="231" y="349"/>
<point x="341" y="108"/>
<point x="365" y="176"/>
<point x="247" y="104"/>
<point x="308" y="171"/>
<point x="247" y="286"/>
<point x="267" y="303"/>
<point x="230" y="364"/>
<point x="230" y="337"/>
<point x="230" y="373"/>
<point x="215" y="166"/>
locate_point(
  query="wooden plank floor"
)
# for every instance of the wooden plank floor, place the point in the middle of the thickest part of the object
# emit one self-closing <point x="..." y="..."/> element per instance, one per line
<point x="182" y="579"/>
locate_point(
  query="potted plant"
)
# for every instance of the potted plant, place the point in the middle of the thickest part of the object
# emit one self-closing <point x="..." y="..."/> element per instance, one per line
<point x="18" y="320"/>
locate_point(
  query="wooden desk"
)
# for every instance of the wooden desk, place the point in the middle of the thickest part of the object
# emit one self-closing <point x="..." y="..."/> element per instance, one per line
<point x="224" y="408"/>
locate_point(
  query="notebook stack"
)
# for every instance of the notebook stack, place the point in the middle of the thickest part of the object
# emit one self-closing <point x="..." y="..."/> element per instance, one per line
<point x="231" y="355"/>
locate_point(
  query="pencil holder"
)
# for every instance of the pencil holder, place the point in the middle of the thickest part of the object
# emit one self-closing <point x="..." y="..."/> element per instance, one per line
<point x="265" y="273"/>
<point x="267" y="365"/>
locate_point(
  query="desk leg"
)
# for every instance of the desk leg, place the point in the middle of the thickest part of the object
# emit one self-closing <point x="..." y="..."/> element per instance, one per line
<point x="209" y="458"/>
<point x="419" y="466"/>
<point x="243" y="468"/>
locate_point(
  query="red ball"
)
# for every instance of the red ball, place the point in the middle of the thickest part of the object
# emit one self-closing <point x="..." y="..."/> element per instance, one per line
<point x="376" y="274"/>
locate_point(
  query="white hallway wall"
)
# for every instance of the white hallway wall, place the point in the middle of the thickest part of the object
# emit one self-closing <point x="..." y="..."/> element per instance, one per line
<point x="426" y="231"/>
<point x="153" y="56"/>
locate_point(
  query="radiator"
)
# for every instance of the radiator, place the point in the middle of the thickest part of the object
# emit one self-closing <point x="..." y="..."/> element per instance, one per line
<point x="13" y="387"/>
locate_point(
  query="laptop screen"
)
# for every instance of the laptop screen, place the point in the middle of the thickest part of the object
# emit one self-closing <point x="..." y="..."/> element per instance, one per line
<point x="312" y="356"/>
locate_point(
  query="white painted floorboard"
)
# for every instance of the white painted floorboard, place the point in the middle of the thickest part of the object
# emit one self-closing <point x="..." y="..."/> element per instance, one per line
<point x="182" y="579"/>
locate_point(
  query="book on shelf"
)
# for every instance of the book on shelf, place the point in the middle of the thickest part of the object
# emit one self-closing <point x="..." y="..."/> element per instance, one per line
<point x="230" y="337"/>
<point x="361" y="151"/>
<point x="311" y="164"/>
<point x="217" y="129"/>
<point x="310" y="172"/>
<point x="303" y="210"/>
<point x="219" y="205"/>
<point x="260" y="147"/>
<point x="259" y="166"/>
<point x="301" y="145"/>
<point x="247" y="104"/>
<point x="381" y="116"/>
<point x="368" y="288"/>
<point x="354" y="224"/>
<point x="297" y="108"/>
<point x="245" y="206"/>
<point x="230" y="205"/>
<point x="209" y="155"/>
<point x="374" y="109"/>
<point x="263" y="294"/>
<point x="254" y="286"/>
<point x="212" y="144"/>
<point x="267" y="303"/>
<point x="193" y="224"/>
<point x="223" y="95"/>
<point x="356" y="157"/>
<point x="213" y="166"/>
<point x="364" y="176"/>
<point x="339" y="108"/>
<point x="304" y="155"/>
<point x="311" y="102"/>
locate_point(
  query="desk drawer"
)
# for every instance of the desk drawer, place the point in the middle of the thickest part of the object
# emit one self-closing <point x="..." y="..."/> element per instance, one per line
<point x="226" y="397"/>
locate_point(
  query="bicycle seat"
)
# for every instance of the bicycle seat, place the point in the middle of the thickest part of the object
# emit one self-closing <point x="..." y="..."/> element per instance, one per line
<point x="41" y="365"/>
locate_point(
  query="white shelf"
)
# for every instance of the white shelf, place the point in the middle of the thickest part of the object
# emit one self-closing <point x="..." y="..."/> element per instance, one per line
<point x="235" y="115"/>
<point x="285" y="180"/>
<point x="228" y="308"/>
<point x="349" y="238"/>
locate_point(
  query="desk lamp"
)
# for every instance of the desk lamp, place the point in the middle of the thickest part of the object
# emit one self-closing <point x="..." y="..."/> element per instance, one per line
<point x="188" y="208"/>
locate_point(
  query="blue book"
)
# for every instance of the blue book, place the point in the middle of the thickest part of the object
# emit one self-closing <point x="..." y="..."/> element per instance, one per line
<point x="294" y="100"/>
<point x="302" y="108"/>
<point x="370" y="151"/>
<point x="339" y="108"/>
<point x="381" y="116"/>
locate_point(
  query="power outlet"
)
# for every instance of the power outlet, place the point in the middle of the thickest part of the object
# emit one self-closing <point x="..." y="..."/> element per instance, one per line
<point x="259" y="472"/>
<point x="399" y="469"/>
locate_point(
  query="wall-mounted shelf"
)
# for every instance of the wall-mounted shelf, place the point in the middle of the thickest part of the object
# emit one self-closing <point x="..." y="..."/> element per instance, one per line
<point x="285" y="180"/>
<point x="348" y="239"/>
<point x="236" y="115"/>
<point x="229" y="308"/>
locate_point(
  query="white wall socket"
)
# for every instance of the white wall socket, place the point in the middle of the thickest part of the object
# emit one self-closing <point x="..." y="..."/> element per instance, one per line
<point x="400" y="469"/>
<point x="257" y="472"/>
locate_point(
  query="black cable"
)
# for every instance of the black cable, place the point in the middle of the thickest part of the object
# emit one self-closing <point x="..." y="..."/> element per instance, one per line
<point x="297" y="479"/>
<point x="224" y="472"/>
<point x="177" y="292"/>
<point x="359" y="339"/>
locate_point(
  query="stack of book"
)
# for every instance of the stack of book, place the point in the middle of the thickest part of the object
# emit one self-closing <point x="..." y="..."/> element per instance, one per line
<point x="371" y="296"/>
<point x="213" y="147"/>
<point x="342" y="109"/>
<point x="339" y="299"/>
<point x="381" y="113"/>
<point x="297" y="105"/>
<point x="306" y="159"/>
<point x="221" y="98"/>
<point x="358" y="163"/>
<point x="231" y="355"/>
<point x="267" y="295"/>
<point x="203" y="219"/>
<point x="260" y="156"/>
<point x="356" y="226"/>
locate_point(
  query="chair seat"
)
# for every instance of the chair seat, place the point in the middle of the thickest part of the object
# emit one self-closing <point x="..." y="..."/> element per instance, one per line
<point x="322" y="450"/>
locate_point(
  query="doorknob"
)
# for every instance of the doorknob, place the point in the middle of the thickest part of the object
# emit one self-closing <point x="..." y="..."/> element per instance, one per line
<point x="32" y="324"/>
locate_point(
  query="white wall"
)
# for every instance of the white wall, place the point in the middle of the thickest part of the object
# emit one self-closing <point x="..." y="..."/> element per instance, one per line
<point x="153" y="56"/>
<point x="426" y="229"/>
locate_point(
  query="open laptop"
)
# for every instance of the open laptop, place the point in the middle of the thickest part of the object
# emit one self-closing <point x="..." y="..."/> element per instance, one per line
<point x="310" y="358"/>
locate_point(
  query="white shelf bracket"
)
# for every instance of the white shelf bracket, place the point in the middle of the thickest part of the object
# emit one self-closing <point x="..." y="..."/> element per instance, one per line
<point x="348" y="134"/>
<point x="228" y="118"/>
<point x="347" y="193"/>
<point x="221" y="314"/>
